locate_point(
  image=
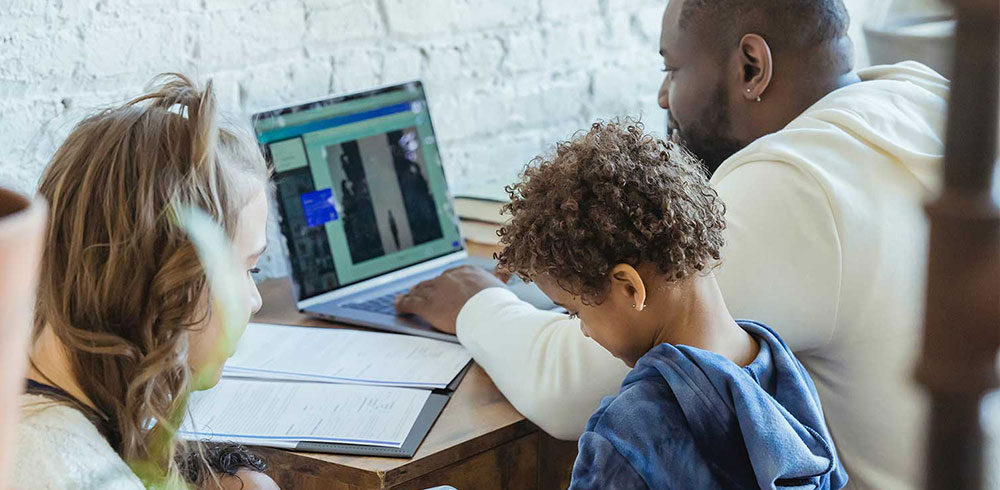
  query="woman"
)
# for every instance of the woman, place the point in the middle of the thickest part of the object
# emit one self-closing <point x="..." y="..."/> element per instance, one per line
<point x="123" y="321"/>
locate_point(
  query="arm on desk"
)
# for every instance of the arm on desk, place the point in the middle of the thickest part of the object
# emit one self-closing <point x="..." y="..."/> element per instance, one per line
<point x="541" y="361"/>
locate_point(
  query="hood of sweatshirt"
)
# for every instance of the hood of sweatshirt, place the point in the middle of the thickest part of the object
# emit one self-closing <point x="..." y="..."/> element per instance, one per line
<point x="898" y="111"/>
<point x="770" y="408"/>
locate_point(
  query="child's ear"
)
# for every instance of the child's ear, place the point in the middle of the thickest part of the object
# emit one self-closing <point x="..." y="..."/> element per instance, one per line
<point x="626" y="281"/>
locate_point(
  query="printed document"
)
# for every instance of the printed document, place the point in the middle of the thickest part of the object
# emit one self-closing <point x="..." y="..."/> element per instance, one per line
<point x="282" y="413"/>
<point x="345" y="356"/>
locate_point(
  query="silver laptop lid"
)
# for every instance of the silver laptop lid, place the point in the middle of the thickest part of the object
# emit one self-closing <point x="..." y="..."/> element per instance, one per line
<point x="360" y="186"/>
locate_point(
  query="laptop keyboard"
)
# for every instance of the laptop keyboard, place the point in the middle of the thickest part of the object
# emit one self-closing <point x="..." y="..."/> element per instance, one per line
<point x="385" y="304"/>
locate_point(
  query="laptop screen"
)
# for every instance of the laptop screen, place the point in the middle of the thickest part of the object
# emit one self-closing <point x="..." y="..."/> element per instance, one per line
<point x="361" y="191"/>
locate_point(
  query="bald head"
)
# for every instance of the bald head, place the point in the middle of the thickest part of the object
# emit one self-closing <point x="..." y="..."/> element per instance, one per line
<point x="736" y="70"/>
<point x="787" y="25"/>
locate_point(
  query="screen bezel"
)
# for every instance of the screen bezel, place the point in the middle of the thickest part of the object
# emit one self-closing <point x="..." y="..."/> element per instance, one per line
<point x="332" y="100"/>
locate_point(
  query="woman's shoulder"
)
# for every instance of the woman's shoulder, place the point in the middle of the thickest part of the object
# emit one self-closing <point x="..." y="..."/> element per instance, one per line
<point x="58" y="447"/>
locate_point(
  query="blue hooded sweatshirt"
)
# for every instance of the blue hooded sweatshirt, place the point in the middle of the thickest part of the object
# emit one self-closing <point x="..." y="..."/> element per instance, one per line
<point x="687" y="418"/>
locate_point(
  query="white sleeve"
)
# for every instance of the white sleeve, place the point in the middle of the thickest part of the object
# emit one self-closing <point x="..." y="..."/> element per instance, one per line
<point x="781" y="264"/>
<point x="541" y="361"/>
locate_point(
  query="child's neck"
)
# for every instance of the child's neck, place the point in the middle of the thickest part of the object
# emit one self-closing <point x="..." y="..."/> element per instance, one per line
<point x="696" y="316"/>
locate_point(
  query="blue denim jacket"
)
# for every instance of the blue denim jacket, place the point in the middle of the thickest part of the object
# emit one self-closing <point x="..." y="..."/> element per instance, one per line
<point x="686" y="418"/>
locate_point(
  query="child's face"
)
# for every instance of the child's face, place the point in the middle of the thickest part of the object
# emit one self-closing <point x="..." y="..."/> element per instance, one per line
<point x="614" y="323"/>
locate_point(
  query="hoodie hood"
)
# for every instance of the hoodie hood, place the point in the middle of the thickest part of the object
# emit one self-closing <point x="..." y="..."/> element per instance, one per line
<point x="769" y="407"/>
<point x="896" y="110"/>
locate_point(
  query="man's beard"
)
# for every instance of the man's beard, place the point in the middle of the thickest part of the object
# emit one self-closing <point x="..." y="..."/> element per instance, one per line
<point x="706" y="137"/>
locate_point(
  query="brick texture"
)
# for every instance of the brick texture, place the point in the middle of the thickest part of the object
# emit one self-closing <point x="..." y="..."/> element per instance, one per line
<point x="505" y="78"/>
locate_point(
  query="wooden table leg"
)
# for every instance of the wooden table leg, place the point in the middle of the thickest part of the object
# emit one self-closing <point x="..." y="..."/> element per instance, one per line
<point x="555" y="462"/>
<point x="511" y="466"/>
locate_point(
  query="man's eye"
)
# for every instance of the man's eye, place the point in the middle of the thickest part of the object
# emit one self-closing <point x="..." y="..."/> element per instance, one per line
<point x="255" y="270"/>
<point x="574" y="316"/>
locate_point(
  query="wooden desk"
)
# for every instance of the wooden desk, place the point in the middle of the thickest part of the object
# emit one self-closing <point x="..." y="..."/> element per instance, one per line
<point x="480" y="442"/>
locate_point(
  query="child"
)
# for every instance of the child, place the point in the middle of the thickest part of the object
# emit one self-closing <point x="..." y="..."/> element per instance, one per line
<point x="623" y="231"/>
<point x="233" y="465"/>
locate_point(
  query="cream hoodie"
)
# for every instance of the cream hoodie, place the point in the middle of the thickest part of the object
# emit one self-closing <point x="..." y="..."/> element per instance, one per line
<point x="826" y="243"/>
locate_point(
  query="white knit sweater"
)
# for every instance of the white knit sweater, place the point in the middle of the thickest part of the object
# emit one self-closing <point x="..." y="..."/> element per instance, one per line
<point x="58" y="448"/>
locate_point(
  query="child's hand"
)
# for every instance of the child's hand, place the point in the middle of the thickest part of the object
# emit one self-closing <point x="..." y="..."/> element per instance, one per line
<point x="439" y="300"/>
<point x="246" y="479"/>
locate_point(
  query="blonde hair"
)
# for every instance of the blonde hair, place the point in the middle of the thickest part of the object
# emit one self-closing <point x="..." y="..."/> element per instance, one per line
<point x="121" y="284"/>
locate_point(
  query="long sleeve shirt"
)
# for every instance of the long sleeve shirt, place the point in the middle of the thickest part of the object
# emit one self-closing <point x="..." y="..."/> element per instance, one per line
<point x="826" y="242"/>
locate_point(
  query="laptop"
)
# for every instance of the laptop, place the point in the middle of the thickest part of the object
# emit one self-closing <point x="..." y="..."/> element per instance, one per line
<point x="364" y="206"/>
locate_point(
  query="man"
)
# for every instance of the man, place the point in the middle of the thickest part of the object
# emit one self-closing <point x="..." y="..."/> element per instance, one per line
<point x="823" y="173"/>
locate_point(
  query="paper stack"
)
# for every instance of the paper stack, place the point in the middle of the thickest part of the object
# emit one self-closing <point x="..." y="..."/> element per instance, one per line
<point x="288" y="386"/>
<point x="345" y="356"/>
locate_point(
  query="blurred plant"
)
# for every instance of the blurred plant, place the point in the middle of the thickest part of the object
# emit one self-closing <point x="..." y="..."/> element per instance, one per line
<point x="223" y="275"/>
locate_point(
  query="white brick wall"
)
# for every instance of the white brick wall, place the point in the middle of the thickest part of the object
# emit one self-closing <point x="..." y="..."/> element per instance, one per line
<point x="505" y="78"/>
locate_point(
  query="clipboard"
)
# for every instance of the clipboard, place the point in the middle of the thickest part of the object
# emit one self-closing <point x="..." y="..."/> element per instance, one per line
<point x="428" y="415"/>
<point x="432" y="409"/>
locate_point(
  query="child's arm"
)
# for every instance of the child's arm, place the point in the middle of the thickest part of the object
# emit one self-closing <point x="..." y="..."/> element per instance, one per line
<point x="540" y="360"/>
<point x="600" y="465"/>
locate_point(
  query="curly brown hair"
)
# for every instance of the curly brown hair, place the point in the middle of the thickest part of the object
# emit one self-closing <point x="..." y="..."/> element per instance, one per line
<point x="609" y="196"/>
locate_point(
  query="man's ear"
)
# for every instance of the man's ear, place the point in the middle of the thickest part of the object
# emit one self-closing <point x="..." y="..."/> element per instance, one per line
<point x="626" y="282"/>
<point x="756" y="65"/>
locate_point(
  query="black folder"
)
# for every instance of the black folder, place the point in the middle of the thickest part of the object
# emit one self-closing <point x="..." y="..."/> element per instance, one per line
<point x="432" y="409"/>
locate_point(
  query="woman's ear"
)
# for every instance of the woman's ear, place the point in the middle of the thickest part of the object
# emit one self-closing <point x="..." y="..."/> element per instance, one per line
<point x="756" y="66"/>
<point x="626" y="281"/>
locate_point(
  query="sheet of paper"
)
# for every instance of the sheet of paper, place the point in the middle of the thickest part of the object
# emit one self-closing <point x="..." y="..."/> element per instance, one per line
<point x="345" y="356"/>
<point x="282" y="413"/>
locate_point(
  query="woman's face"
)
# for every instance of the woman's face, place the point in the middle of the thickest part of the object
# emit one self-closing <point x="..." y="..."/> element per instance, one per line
<point x="208" y="345"/>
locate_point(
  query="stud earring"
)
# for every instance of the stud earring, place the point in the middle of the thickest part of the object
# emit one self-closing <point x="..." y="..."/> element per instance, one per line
<point x="758" y="98"/>
<point x="633" y="305"/>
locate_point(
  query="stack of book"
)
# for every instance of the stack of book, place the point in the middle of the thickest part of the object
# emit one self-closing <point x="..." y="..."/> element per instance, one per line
<point x="479" y="210"/>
